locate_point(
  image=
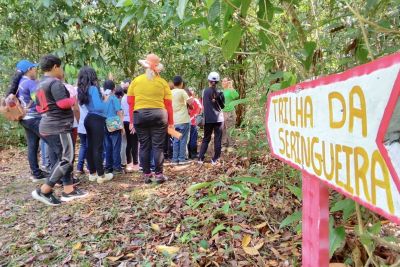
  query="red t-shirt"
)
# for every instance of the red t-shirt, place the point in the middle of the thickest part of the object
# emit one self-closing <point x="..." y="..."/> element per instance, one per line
<point x="195" y="110"/>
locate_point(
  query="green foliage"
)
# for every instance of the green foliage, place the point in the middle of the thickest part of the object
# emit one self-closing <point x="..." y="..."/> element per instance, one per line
<point x="292" y="219"/>
<point x="337" y="237"/>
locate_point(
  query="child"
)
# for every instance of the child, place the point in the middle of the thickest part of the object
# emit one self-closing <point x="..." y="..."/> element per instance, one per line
<point x="56" y="128"/>
<point x="113" y="136"/>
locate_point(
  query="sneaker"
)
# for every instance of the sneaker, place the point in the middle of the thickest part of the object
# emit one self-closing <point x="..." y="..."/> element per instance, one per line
<point x="105" y="178"/>
<point x="40" y="178"/>
<point x="215" y="162"/>
<point x="79" y="172"/>
<point x="184" y="162"/>
<point x="108" y="171"/>
<point x="174" y="163"/>
<point x="200" y="161"/>
<point x="93" y="177"/>
<point x="119" y="172"/>
<point x="48" y="199"/>
<point x="147" y="178"/>
<point x="77" y="193"/>
<point x="160" y="178"/>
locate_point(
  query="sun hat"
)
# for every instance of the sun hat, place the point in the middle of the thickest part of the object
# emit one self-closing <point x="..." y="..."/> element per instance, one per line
<point x="25" y="65"/>
<point x="152" y="62"/>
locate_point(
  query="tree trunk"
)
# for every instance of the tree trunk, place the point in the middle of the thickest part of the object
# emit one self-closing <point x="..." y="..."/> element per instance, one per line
<point x="241" y="87"/>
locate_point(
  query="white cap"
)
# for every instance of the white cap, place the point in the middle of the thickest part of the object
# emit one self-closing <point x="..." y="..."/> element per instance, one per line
<point x="213" y="76"/>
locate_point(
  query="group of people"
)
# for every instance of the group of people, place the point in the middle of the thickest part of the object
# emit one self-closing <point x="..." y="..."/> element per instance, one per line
<point x="121" y="128"/>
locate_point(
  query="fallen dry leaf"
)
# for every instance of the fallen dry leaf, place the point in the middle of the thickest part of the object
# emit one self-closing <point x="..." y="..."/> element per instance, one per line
<point x="261" y="225"/>
<point x="168" y="249"/>
<point x="251" y="251"/>
<point x="246" y="240"/>
<point x="155" y="227"/>
<point x="77" y="246"/>
<point x="114" y="259"/>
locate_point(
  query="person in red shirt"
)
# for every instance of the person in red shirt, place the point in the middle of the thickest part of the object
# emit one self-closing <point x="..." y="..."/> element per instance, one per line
<point x="194" y="110"/>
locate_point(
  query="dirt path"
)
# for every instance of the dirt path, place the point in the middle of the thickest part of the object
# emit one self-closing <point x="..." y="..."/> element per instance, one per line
<point x="124" y="222"/>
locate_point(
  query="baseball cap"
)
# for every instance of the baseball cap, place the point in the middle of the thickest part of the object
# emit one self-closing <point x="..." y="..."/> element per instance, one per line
<point x="25" y="65"/>
<point x="213" y="76"/>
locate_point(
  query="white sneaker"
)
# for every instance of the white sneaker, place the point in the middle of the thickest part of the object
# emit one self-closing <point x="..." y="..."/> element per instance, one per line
<point x="93" y="177"/>
<point x="105" y="178"/>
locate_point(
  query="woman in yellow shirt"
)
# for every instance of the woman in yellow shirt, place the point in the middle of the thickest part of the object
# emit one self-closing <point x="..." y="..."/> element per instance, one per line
<point x="150" y="112"/>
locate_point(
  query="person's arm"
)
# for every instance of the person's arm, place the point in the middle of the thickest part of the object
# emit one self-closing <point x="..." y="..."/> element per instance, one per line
<point x="61" y="95"/>
<point x="76" y="110"/>
<point x="235" y="94"/>
<point x="168" y="104"/>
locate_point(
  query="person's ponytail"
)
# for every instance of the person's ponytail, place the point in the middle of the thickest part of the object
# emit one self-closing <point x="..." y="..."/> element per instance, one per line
<point x="15" y="82"/>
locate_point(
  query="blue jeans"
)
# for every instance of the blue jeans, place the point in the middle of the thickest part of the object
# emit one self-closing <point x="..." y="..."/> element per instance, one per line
<point x="192" y="146"/>
<point x="44" y="148"/>
<point x="179" y="146"/>
<point x="113" y="150"/>
<point x="31" y="127"/>
<point x="82" y="152"/>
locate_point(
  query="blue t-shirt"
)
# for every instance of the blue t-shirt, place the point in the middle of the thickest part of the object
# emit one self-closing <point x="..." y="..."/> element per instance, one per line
<point x="27" y="96"/>
<point x="96" y="104"/>
<point x="113" y="105"/>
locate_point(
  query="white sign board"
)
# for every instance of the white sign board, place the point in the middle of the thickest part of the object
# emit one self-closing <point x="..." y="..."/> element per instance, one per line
<point x="345" y="130"/>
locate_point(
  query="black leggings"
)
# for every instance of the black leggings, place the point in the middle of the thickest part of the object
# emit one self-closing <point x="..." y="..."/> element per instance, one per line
<point x="94" y="125"/>
<point x="132" y="145"/>
<point x="209" y="128"/>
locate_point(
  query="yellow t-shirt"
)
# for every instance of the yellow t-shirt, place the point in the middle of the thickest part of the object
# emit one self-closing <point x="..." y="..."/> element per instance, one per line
<point x="179" y="98"/>
<point x="149" y="93"/>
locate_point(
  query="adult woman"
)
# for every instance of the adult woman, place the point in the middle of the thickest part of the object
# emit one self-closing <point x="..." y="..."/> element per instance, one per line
<point x="230" y="95"/>
<point x="213" y="103"/>
<point x="89" y="95"/>
<point x="150" y="111"/>
<point x="24" y="86"/>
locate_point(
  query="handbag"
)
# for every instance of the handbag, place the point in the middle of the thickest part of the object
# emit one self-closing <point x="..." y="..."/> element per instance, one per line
<point x="13" y="110"/>
<point x="114" y="123"/>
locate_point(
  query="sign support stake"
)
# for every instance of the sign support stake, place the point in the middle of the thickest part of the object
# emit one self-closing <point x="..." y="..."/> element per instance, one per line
<point x="315" y="222"/>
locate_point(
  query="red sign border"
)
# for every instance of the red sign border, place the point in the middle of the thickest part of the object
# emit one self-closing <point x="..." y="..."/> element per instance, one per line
<point x="365" y="69"/>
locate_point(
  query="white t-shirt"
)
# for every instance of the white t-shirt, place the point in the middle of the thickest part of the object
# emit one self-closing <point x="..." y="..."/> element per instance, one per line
<point x="125" y="107"/>
<point x="83" y="113"/>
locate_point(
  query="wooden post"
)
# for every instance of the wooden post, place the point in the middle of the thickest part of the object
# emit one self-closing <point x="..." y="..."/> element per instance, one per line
<point x="315" y="246"/>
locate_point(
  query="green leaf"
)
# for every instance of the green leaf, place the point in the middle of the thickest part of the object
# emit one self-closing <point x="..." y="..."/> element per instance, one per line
<point x="240" y="188"/>
<point x="252" y="180"/>
<point x="195" y="187"/>
<point x="291" y="219"/>
<point x="346" y="205"/>
<point x="210" y="3"/>
<point x="376" y="228"/>
<point x="225" y="208"/>
<point x="181" y="8"/>
<point x="308" y="51"/>
<point x="366" y="240"/>
<point x="214" y="11"/>
<point x="231" y="41"/>
<point x="46" y="3"/>
<point x="123" y="3"/>
<point x="336" y="239"/>
<point x="361" y="53"/>
<point x="125" y="21"/>
<point x="295" y="190"/>
<point x="236" y="228"/>
<point x="217" y="229"/>
<point x="204" y="244"/>
<point x="204" y="33"/>
<point x="245" y="7"/>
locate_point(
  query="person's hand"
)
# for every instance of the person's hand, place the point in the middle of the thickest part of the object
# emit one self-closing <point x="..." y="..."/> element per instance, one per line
<point x="10" y="97"/>
<point x="131" y="128"/>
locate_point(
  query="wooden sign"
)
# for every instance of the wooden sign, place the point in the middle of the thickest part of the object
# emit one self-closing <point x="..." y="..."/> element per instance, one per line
<point x="342" y="131"/>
